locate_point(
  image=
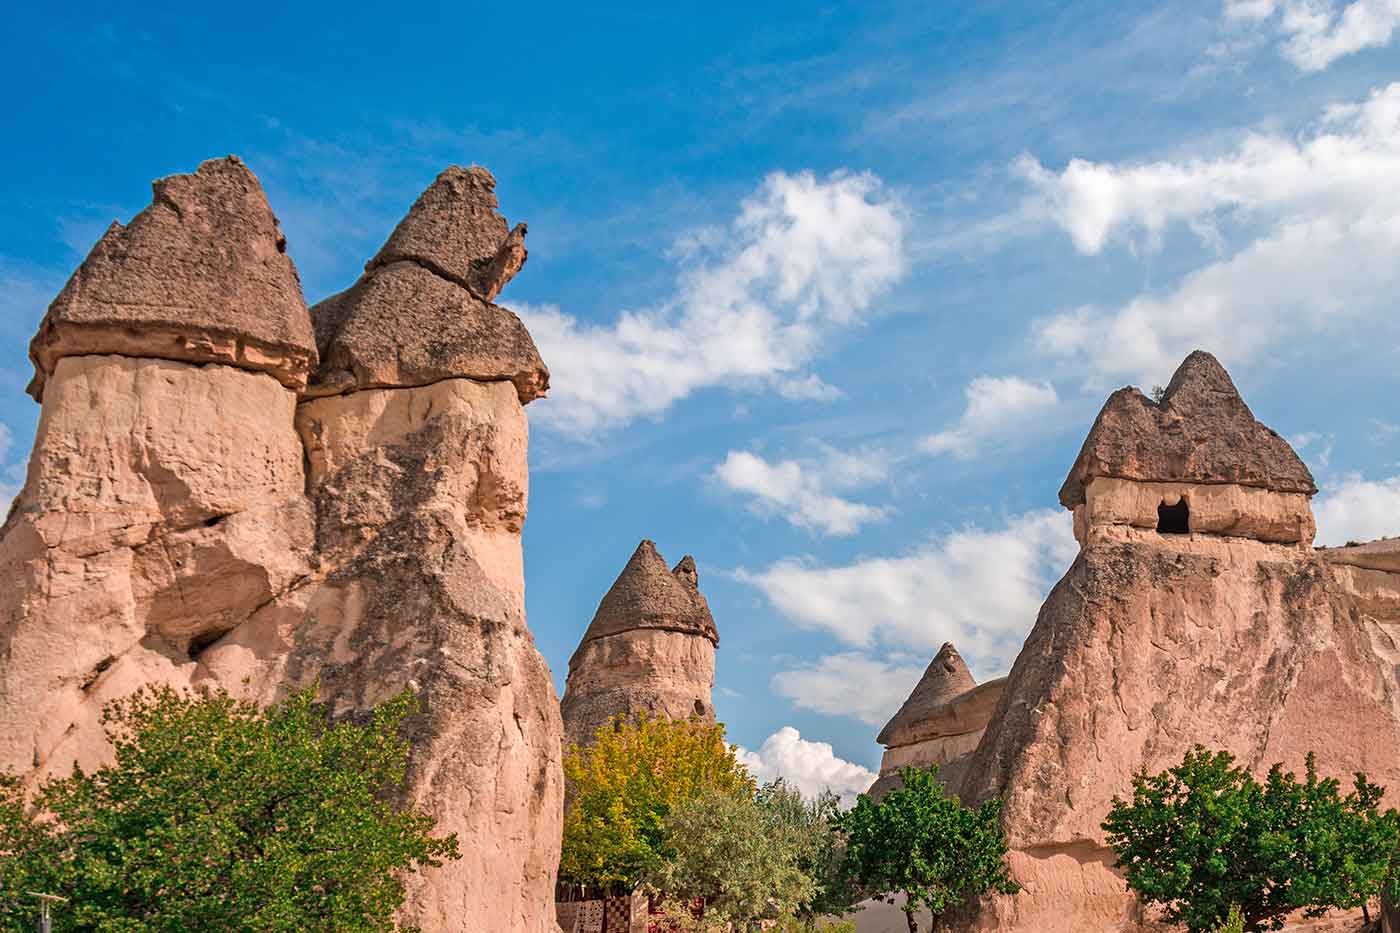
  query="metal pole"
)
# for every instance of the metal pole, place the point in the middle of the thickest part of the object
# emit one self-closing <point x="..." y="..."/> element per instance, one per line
<point x="46" y="901"/>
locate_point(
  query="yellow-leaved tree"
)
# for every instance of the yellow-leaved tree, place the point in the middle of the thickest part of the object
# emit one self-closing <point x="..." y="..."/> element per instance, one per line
<point x="622" y="787"/>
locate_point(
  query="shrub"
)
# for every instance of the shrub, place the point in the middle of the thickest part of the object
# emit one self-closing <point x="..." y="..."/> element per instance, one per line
<point x="920" y="842"/>
<point x="623" y="786"/>
<point x="219" y="815"/>
<point x="1205" y="837"/>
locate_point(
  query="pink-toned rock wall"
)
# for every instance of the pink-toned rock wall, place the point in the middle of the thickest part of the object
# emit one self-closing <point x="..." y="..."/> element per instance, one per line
<point x="193" y="522"/>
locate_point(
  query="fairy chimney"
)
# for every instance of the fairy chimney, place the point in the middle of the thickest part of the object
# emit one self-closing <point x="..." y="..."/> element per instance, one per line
<point x="940" y="723"/>
<point x="650" y="648"/>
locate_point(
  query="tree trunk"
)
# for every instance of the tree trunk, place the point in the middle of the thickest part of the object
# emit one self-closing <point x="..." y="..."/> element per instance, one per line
<point x="909" y="919"/>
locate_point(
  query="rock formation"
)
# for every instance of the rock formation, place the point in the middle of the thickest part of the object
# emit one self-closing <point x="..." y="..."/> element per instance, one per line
<point x="1196" y="612"/>
<point x="650" y="647"/>
<point x="939" y="724"/>
<point x="212" y="527"/>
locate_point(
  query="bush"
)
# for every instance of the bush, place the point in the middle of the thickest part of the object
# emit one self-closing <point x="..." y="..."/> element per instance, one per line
<point x="623" y="786"/>
<point x="1205" y="837"/>
<point x="920" y="842"/>
<point x="218" y="815"/>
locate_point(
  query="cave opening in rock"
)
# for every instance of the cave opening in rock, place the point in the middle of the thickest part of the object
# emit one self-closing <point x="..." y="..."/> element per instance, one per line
<point x="1174" y="519"/>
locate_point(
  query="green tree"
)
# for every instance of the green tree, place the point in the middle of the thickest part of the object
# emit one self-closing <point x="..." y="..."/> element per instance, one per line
<point x="772" y="855"/>
<point x="737" y="854"/>
<point x="814" y="825"/>
<point x="622" y="787"/>
<point x="923" y="843"/>
<point x="1205" y="836"/>
<point x="219" y="815"/>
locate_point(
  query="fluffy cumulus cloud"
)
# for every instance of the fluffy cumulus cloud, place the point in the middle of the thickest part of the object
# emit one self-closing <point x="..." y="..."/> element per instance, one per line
<point x="1356" y="509"/>
<point x="811" y="767"/>
<point x="852" y="684"/>
<point x="979" y="588"/>
<point x="802" y="492"/>
<point x="1318" y="215"/>
<point x="1315" y="33"/>
<point x="996" y="407"/>
<point x="753" y="305"/>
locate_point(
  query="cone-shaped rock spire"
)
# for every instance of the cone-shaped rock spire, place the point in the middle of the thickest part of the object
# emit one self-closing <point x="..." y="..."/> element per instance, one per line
<point x="945" y="678"/>
<point x="422" y="312"/>
<point x="201" y="275"/>
<point x="648" y="595"/>
<point x="1200" y="432"/>
<point x="650" y="648"/>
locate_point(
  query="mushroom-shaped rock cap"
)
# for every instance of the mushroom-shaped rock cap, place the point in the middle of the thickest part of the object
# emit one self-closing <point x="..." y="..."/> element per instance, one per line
<point x="423" y="312"/>
<point x="1200" y="432"/>
<point x="646" y="595"/>
<point x="945" y="679"/>
<point x="201" y="275"/>
<point x="454" y="229"/>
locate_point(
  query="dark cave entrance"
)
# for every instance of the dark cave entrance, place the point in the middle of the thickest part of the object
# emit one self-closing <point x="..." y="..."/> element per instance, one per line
<point x="1174" y="519"/>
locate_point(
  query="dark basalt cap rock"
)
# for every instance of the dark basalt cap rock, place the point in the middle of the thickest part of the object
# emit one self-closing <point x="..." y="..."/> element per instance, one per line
<point x="454" y="229"/>
<point x="423" y="310"/>
<point x="1201" y="432"/>
<point x="646" y="595"/>
<point x="945" y="679"/>
<point x="201" y="275"/>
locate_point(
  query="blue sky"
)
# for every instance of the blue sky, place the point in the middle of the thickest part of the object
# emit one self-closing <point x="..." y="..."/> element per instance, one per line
<point x="830" y="292"/>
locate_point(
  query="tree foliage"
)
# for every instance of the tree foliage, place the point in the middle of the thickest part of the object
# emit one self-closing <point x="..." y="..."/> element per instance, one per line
<point x="738" y="855"/>
<point x="219" y="815"/>
<point x="923" y="843"/>
<point x="622" y="787"/>
<point x="771" y="856"/>
<point x="1205" y="836"/>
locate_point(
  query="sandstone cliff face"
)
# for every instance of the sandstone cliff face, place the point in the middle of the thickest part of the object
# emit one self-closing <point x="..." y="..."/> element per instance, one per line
<point x="650" y="648"/>
<point x="1232" y="635"/>
<point x="201" y="525"/>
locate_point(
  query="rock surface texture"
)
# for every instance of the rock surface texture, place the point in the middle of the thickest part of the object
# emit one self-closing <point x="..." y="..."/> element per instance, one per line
<point x="650" y="648"/>
<point x="1229" y="635"/>
<point x="939" y="724"/>
<point x="189" y="519"/>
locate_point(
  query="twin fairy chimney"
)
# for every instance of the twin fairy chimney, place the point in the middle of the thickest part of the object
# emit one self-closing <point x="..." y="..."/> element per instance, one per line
<point x="227" y="490"/>
<point x="650" y="648"/>
<point x="1196" y="612"/>
<point x="941" y="722"/>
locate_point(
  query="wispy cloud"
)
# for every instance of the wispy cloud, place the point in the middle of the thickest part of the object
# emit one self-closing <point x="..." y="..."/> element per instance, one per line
<point x="811" y="767"/>
<point x="853" y="684"/>
<point x="979" y="588"/>
<point x="1321" y="225"/>
<point x="753" y="305"/>
<point x="1356" y="509"/>
<point x="1315" y="33"/>
<point x="803" y="492"/>
<point x="996" y="408"/>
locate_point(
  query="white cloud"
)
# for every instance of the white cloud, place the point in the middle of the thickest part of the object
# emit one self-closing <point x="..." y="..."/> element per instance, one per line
<point x="1323" y="213"/>
<point x="11" y="474"/>
<point x="852" y="684"/>
<point x="752" y="307"/>
<point x="1358" y="510"/>
<point x="811" y="767"/>
<point x="801" y="492"/>
<point x="978" y="588"/>
<point x="995" y="407"/>
<point x="1316" y="32"/>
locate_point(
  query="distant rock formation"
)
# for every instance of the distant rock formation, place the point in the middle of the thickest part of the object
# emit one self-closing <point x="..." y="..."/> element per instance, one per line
<point x="1196" y="612"/>
<point x="650" y="647"/>
<point x="939" y="724"/>
<point x="190" y="519"/>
